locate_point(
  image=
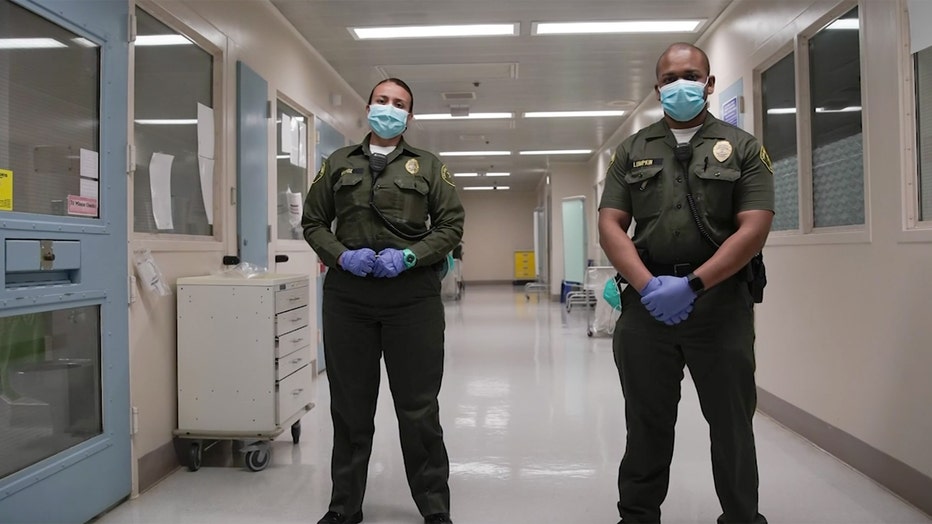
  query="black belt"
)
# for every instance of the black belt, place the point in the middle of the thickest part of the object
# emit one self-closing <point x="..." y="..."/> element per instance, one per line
<point x="677" y="270"/>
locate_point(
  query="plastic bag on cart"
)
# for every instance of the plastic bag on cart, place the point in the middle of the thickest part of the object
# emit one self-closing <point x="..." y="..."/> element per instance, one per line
<point x="604" y="316"/>
<point x="451" y="286"/>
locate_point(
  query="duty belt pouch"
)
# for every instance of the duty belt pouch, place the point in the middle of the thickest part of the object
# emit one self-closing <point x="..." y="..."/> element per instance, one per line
<point x="757" y="277"/>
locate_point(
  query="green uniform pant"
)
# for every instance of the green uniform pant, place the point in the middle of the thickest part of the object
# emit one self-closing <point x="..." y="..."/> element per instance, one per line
<point x="717" y="344"/>
<point x="402" y="319"/>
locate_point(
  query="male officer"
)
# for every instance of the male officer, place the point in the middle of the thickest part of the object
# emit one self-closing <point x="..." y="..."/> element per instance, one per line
<point x="702" y="210"/>
<point x="398" y="201"/>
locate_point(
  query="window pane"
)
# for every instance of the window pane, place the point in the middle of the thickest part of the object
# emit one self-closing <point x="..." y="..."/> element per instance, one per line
<point x="173" y="77"/>
<point x="49" y="116"/>
<point x="837" y="147"/>
<point x="292" y="170"/>
<point x="924" y="115"/>
<point x="778" y="94"/>
<point x="49" y="384"/>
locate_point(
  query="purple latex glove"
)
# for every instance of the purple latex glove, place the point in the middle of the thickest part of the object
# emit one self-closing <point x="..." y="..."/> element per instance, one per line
<point x="672" y="301"/>
<point x="358" y="261"/>
<point x="389" y="263"/>
<point x="651" y="286"/>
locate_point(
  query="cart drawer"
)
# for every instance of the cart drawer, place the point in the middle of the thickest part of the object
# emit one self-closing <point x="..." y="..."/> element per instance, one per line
<point x="290" y="320"/>
<point x="288" y="364"/>
<point x="290" y="299"/>
<point x="294" y="392"/>
<point x="290" y="342"/>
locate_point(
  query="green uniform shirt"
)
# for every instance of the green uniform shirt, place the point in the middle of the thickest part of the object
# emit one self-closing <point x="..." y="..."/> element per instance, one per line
<point x="414" y="191"/>
<point x="729" y="172"/>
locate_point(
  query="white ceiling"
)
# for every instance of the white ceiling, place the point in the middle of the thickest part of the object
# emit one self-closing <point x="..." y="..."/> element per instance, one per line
<point x="501" y="74"/>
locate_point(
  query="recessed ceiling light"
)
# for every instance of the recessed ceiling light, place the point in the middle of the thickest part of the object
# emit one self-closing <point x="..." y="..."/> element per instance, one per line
<point x="433" y="31"/>
<point x="30" y="43"/>
<point x="475" y="153"/>
<point x="471" y="116"/>
<point x="83" y="42"/>
<point x="845" y="23"/>
<point x="498" y="174"/>
<point x="466" y="174"/>
<point x="486" y="188"/>
<point x="557" y="152"/>
<point x="167" y="121"/>
<point x="849" y="109"/>
<point x="559" y="114"/>
<point x="781" y="111"/>
<point x="625" y="26"/>
<point x="153" y="40"/>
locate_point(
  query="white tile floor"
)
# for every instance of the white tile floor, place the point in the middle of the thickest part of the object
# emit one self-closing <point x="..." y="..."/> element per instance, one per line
<point x="533" y="416"/>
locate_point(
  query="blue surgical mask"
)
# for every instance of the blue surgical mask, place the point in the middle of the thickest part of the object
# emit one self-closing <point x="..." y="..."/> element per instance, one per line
<point x="387" y="121"/>
<point x="683" y="100"/>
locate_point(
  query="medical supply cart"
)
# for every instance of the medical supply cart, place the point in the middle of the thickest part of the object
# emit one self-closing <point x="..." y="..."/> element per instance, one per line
<point x="246" y="363"/>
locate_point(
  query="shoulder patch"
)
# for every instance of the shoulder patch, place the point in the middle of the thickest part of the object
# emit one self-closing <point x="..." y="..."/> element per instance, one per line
<point x="321" y="172"/>
<point x="765" y="158"/>
<point x="446" y="175"/>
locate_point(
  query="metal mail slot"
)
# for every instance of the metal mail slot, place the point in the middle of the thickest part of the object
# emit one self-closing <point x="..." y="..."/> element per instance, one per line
<point x="42" y="255"/>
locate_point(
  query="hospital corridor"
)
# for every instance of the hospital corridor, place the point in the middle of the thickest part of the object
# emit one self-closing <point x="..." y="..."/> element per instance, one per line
<point x="533" y="418"/>
<point x="559" y="238"/>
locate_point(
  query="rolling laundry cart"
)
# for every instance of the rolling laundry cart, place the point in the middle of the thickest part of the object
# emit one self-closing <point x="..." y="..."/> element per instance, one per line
<point x="245" y="363"/>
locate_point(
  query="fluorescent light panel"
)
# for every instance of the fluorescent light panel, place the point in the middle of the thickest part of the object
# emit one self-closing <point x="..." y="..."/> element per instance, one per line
<point x="475" y="153"/>
<point x="845" y="23"/>
<point x="792" y="110"/>
<point x="486" y="188"/>
<point x="154" y="40"/>
<point x="498" y="174"/>
<point x="30" y="43"/>
<point x="624" y="26"/>
<point x="167" y="121"/>
<point x="83" y="42"/>
<point x="433" y="31"/>
<point x="567" y="114"/>
<point x="557" y="152"/>
<point x="471" y="116"/>
<point x="478" y="174"/>
<point x="465" y="175"/>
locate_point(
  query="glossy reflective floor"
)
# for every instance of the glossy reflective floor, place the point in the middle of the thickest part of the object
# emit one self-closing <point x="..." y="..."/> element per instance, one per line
<point x="533" y="416"/>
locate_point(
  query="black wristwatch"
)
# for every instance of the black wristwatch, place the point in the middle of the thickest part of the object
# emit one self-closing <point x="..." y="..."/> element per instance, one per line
<point x="695" y="283"/>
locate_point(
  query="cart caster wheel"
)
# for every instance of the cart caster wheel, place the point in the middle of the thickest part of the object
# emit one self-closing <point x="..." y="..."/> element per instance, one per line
<point x="194" y="457"/>
<point x="259" y="459"/>
<point x="296" y="432"/>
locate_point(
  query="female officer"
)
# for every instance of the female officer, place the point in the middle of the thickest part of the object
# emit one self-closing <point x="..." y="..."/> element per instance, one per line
<point x="397" y="216"/>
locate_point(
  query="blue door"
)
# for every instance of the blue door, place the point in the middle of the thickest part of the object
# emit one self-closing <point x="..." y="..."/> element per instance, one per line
<point x="64" y="357"/>
<point x="252" y="166"/>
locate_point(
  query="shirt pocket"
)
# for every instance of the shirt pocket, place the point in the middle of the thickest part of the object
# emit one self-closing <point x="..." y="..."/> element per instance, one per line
<point x="348" y="191"/>
<point x="645" y="188"/>
<point x="716" y="190"/>
<point x="404" y="201"/>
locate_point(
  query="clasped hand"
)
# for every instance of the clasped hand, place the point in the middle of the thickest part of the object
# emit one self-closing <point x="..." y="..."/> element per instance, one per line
<point x="669" y="299"/>
<point x="358" y="261"/>
<point x="390" y="263"/>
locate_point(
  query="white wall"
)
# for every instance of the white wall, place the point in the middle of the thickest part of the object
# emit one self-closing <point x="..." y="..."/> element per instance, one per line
<point x="844" y="331"/>
<point x="498" y="223"/>
<point x="567" y="179"/>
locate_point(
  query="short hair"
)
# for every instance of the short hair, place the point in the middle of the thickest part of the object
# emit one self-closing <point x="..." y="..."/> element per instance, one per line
<point x="683" y="45"/>
<point x="398" y="82"/>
